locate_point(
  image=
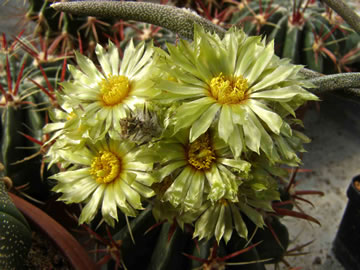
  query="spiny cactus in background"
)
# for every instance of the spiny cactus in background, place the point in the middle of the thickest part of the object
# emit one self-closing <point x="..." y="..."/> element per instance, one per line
<point x="303" y="30"/>
<point x="23" y="108"/>
<point x="151" y="245"/>
<point x="69" y="32"/>
<point x="217" y="11"/>
<point x="15" y="232"/>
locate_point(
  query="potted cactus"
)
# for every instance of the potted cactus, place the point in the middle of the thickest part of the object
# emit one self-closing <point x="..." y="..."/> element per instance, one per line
<point x="16" y="233"/>
<point x="174" y="152"/>
<point x="15" y="240"/>
<point x="305" y="31"/>
<point x="348" y="236"/>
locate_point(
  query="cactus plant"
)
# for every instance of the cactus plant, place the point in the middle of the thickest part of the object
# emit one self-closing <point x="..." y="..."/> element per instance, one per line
<point x="15" y="232"/>
<point x="201" y="181"/>
<point x="22" y="109"/>
<point x="69" y="32"/>
<point x="304" y="31"/>
<point x="174" y="145"/>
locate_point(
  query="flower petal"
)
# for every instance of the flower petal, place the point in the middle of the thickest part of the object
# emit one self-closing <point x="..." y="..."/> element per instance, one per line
<point x="239" y="223"/>
<point x="176" y="193"/>
<point x="194" y="196"/>
<point x="273" y="120"/>
<point x="108" y="208"/>
<point x="90" y="209"/>
<point x="220" y="225"/>
<point x="217" y="187"/>
<point x="188" y="113"/>
<point x="226" y="125"/>
<point x="201" y="125"/>
<point x="103" y="60"/>
<point x="262" y="60"/>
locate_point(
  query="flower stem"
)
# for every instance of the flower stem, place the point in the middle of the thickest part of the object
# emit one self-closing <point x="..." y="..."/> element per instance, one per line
<point x="177" y="20"/>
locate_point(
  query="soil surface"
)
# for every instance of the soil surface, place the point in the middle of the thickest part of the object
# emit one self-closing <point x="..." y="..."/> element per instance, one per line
<point x="44" y="255"/>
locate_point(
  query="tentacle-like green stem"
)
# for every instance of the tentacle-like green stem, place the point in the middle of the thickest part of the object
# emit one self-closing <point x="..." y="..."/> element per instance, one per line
<point x="336" y="82"/>
<point x="175" y="19"/>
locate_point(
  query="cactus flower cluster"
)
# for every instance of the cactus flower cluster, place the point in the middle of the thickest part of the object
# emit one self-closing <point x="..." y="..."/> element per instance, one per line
<point x="224" y="111"/>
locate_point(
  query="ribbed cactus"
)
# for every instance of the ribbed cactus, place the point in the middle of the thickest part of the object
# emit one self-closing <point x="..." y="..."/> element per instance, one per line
<point x="69" y="32"/>
<point x="303" y="30"/>
<point x="23" y="113"/>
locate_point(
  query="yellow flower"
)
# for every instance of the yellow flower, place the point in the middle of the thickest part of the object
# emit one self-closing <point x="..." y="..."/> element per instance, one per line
<point x="105" y="175"/>
<point x="194" y="172"/>
<point x="237" y="84"/>
<point x="109" y="94"/>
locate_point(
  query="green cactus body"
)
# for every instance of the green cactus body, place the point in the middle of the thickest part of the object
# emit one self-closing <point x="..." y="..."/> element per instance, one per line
<point x="22" y="117"/>
<point x="15" y="233"/>
<point x="235" y="244"/>
<point x="166" y="246"/>
<point x="12" y="119"/>
<point x="270" y="247"/>
<point x="140" y="252"/>
<point x="167" y="253"/>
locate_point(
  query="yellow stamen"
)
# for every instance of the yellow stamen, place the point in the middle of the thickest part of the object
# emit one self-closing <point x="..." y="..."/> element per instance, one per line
<point x="224" y="202"/>
<point x="200" y="153"/>
<point x="228" y="89"/>
<point x="105" y="167"/>
<point x="114" y="89"/>
<point x="71" y="115"/>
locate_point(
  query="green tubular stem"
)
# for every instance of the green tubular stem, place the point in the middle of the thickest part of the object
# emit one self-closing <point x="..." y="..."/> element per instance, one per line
<point x="310" y="74"/>
<point x="178" y="20"/>
<point x="336" y="82"/>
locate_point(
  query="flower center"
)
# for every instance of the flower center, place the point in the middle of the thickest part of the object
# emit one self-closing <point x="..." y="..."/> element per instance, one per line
<point x="224" y="202"/>
<point x="114" y="89"/>
<point x="105" y="167"/>
<point x="200" y="153"/>
<point x="71" y="115"/>
<point x="228" y="89"/>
